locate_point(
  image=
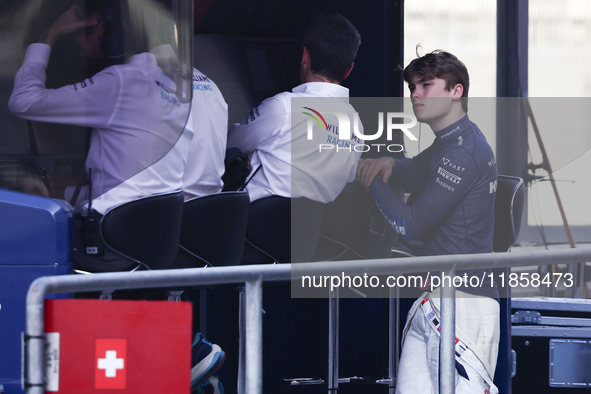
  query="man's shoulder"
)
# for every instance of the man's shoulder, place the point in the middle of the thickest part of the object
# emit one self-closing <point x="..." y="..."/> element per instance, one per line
<point x="141" y="67"/>
<point x="479" y="147"/>
<point x="202" y="81"/>
<point x="470" y="141"/>
<point x="468" y="154"/>
<point x="279" y="103"/>
<point x="198" y="76"/>
<point x="283" y="96"/>
<point x="455" y="159"/>
<point x="271" y="109"/>
<point x="205" y="88"/>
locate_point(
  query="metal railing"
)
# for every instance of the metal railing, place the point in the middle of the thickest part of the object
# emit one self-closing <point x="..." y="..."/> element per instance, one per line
<point x="253" y="276"/>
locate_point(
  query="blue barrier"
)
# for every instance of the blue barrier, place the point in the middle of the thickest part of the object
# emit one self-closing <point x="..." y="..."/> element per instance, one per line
<point x="35" y="241"/>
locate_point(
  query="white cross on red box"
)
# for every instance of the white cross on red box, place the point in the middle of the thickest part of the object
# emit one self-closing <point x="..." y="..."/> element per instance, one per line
<point x="110" y="371"/>
<point x="110" y="363"/>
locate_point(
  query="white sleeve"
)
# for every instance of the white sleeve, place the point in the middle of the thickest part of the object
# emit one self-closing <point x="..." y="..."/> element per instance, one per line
<point x="262" y="124"/>
<point x="90" y="103"/>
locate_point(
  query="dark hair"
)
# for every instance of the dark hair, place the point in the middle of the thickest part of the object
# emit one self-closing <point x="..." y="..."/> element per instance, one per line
<point x="442" y="65"/>
<point x="92" y="7"/>
<point x="122" y="38"/>
<point x="332" y="42"/>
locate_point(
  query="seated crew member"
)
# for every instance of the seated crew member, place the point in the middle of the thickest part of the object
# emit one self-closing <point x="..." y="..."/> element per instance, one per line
<point x="139" y="142"/>
<point x="454" y="214"/>
<point x="209" y="117"/>
<point x="209" y="120"/>
<point x="202" y="176"/>
<point x="268" y="135"/>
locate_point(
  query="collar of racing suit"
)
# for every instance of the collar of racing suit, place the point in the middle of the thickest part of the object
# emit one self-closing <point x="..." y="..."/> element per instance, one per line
<point x="452" y="131"/>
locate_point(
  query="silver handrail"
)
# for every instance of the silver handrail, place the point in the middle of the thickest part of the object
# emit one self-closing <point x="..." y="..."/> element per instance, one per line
<point x="253" y="276"/>
<point x="447" y="359"/>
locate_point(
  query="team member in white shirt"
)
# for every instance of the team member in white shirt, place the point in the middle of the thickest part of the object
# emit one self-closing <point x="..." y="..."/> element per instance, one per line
<point x="140" y="138"/>
<point x="139" y="142"/>
<point x="209" y="121"/>
<point x="209" y="117"/>
<point x="290" y="164"/>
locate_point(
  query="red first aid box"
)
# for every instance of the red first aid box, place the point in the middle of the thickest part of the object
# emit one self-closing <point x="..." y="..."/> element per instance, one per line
<point x="97" y="346"/>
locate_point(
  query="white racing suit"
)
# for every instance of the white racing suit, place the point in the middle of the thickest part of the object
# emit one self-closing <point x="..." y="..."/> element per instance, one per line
<point x="477" y="334"/>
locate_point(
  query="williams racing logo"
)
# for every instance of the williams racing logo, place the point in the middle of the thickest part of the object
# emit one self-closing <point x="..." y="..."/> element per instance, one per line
<point x="316" y="119"/>
<point x="169" y="94"/>
<point x="349" y="133"/>
<point x="333" y="140"/>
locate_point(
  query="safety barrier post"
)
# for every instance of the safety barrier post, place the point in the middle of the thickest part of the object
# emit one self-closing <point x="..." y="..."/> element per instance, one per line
<point x="447" y="360"/>
<point x="393" y="337"/>
<point x="253" y="276"/>
<point x="241" y="342"/>
<point x="35" y="341"/>
<point x="333" y="341"/>
<point x="254" y="336"/>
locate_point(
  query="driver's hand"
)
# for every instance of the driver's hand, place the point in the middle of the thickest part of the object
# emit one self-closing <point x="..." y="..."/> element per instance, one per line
<point x="369" y="169"/>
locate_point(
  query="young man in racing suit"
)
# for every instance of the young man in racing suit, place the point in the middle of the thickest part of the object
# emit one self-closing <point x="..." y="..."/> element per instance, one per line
<point x="456" y="177"/>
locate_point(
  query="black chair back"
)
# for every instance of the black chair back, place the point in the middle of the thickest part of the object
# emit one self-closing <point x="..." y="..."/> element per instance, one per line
<point x="147" y="230"/>
<point x="354" y="228"/>
<point x="285" y="229"/>
<point x="214" y="227"/>
<point x="509" y="204"/>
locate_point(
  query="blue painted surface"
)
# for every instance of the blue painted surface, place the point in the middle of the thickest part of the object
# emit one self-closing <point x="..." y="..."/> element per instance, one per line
<point x="35" y="240"/>
<point x="34" y="230"/>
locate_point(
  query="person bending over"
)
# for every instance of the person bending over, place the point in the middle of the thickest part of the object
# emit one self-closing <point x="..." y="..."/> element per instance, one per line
<point x="140" y="137"/>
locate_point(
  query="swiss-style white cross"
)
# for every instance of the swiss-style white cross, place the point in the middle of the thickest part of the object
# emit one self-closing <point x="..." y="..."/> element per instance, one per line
<point x="110" y="363"/>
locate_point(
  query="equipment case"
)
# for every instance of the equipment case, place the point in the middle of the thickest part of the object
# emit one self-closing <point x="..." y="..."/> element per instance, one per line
<point x="551" y="340"/>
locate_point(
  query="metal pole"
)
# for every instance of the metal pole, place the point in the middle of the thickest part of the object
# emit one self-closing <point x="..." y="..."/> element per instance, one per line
<point x="241" y="342"/>
<point x="203" y="312"/>
<point x="394" y="266"/>
<point x="333" y="341"/>
<point x="254" y="336"/>
<point x="393" y="339"/>
<point x="35" y="329"/>
<point x="34" y="374"/>
<point x="240" y="274"/>
<point x="447" y="361"/>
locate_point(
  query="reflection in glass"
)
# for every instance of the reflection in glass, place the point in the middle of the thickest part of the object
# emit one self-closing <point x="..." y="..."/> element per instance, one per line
<point x="35" y="152"/>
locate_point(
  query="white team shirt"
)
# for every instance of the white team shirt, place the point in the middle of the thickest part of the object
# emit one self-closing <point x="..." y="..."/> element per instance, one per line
<point x="292" y="165"/>
<point x="209" y="117"/>
<point x="139" y="142"/>
<point x="209" y="121"/>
